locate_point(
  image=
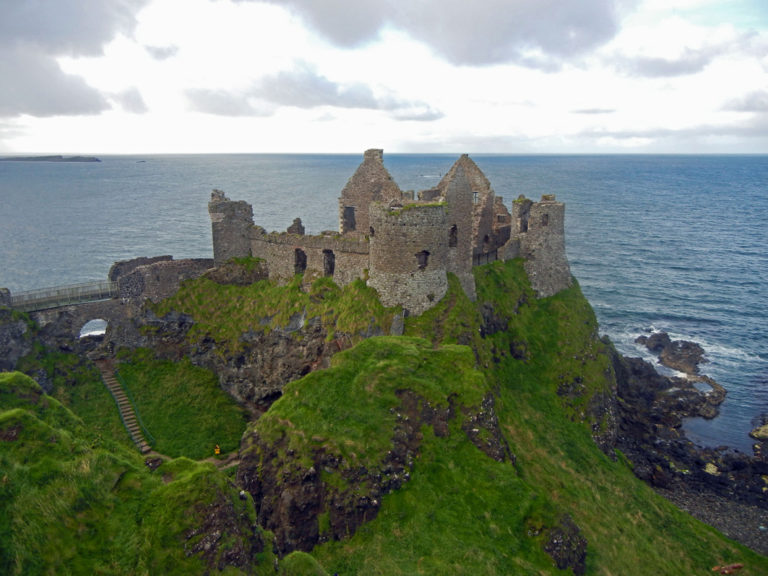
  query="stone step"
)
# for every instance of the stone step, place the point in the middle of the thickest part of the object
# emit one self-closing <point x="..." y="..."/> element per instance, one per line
<point x="125" y="408"/>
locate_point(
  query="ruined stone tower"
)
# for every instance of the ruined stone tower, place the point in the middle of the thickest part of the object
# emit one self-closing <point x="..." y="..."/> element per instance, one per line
<point x="408" y="255"/>
<point x="231" y="223"/>
<point x="458" y="199"/>
<point x="540" y="229"/>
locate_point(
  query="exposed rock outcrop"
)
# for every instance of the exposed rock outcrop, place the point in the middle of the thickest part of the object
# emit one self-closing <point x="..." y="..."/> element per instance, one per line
<point x="302" y="509"/>
<point x="680" y="355"/>
<point x="15" y="339"/>
<point x="567" y="546"/>
<point x="652" y="408"/>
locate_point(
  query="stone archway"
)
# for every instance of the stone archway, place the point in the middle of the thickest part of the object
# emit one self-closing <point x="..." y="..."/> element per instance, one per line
<point x="94" y="327"/>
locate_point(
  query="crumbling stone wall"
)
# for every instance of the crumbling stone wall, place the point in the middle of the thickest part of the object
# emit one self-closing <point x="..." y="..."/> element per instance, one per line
<point x="160" y="279"/>
<point x="231" y="223"/>
<point x="540" y="227"/>
<point x="491" y="221"/>
<point x="370" y="183"/>
<point x="459" y="199"/>
<point x="5" y="297"/>
<point x="123" y="268"/>
<point x="409" y="255"/>
<point x="343" y="259"/>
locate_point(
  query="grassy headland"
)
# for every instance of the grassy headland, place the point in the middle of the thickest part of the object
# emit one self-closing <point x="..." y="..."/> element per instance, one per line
<point x="68" y="504"/>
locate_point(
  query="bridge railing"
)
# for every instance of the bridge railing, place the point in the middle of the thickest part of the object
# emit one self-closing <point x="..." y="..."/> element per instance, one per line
<point x="43" y="298"/>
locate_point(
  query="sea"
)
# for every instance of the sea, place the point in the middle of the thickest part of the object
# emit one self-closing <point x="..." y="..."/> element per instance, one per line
<point x="677" y="243"/>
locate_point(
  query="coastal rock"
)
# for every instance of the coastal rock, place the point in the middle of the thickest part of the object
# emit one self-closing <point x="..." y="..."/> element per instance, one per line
<point x="760" y="432"/>
<point x="651" y="409"/>
<point x="680" y="355"/>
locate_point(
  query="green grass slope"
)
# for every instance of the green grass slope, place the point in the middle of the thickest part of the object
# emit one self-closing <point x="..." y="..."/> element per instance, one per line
<point x="182" y="406"/>
<point x="72" y="506"/>
<point x="462" y="512"/>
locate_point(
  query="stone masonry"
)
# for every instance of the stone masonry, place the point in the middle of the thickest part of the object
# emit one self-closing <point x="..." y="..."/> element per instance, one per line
<point x="405" y="248"/>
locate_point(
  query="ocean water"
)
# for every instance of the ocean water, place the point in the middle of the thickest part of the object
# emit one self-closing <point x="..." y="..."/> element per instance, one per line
<point x="674" y="243"/>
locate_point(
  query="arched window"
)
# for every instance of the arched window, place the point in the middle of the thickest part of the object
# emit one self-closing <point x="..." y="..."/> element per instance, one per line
<point x="299" y="261"/>
<point x="329" y="262"/>
<point x="95" y="327"/>
<point x="348" y="223"/>
<point x="453" y="237"/>
<point x="422" y="259"/>
<point x="544" y="219"/>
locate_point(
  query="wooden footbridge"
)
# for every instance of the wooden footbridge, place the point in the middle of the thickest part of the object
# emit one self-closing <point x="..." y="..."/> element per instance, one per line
<point x="44" y="298"/>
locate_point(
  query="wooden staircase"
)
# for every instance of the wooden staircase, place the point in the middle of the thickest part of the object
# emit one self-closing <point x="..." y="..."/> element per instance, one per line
<point x="127" y="413"/>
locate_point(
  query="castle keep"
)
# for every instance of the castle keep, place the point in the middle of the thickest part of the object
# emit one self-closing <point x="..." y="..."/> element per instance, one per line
<point x="405" y="245"/>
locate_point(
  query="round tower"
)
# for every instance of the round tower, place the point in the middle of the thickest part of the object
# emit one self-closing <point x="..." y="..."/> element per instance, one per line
<point x="408" y="254"/>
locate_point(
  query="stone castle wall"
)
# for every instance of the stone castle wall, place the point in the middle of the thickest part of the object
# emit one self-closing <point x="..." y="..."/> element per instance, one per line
<point x="343" y="259"/>
<point x="406" y="248"/>
<point x="409" y="255"/>
<point x="159" y="279"/>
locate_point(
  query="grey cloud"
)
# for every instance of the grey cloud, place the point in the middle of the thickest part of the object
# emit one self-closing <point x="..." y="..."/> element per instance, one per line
<point x="222" y="103"/>
<point x="303" y="87"/>
<point x="473" y="33"/>
<point x="754" y="102"/>
<point x="417" y="114"/>
<point x="161" y="52"/>
<point x="66" y="26"/>
<point x="34" y="84"/>
<point x="347" y="23"/>
<point x="691" y="62"/>
<point x="131" y="101"/>
<point x="595" y="111"/>
<point x="751" y="129"/>
<point x="33" y="34"/>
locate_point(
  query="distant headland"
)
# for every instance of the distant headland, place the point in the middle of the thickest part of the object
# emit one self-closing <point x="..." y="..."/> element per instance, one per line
<point x="50" y="159"/>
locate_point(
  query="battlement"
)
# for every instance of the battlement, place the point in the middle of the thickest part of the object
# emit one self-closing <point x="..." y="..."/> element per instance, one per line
<point x="405" y="247"/>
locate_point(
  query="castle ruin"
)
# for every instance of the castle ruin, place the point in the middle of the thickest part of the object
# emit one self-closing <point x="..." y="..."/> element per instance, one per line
<point x="405" y="245"/>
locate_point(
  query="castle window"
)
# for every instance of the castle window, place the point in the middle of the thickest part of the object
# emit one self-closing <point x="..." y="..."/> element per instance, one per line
<point x="348" y="223"/>
<point x="453" y="237"/>
<point x="524" y="224"/>
<point x="544" y="219"/>
<point x="422" y="258"/>
<point x="486" y="243"/>
<point x="372" y="231"/>
<point x="299" y="261"/>
<point x="329" y="262"/>
<point x="475" y="198"/>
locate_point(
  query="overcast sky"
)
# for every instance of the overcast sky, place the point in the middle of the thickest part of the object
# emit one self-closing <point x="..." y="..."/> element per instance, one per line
<point x="506" y="76"/>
